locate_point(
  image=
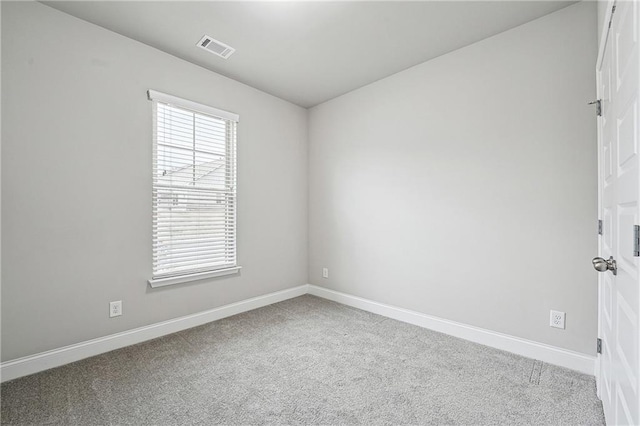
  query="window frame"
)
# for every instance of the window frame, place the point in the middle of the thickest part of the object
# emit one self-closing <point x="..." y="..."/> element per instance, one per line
<point x="160" y="280"/>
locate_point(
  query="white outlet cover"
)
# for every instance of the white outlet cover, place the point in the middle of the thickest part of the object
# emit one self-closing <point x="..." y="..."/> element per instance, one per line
<point x="115" y="309"/>
<point x="325" y="272"/>
<point x="556" y="319"/>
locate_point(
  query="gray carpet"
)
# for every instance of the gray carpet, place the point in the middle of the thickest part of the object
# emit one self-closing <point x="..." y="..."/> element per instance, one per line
<point x="304" y="361"/>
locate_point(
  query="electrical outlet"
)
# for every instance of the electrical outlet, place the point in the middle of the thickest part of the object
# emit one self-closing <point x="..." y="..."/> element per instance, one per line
<point x="325" y="272"/>
<point x="115" y="309"/>
<point x="557" y="319"/>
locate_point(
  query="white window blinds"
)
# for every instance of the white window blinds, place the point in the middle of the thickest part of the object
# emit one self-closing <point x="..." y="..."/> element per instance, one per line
<point x="194" y="190"/>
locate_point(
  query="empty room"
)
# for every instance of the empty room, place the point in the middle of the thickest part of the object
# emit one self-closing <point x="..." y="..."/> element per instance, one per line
<point x="320" y="212"/>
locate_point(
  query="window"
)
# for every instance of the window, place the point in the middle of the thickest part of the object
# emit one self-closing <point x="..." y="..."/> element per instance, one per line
<point x="194" y="191"/>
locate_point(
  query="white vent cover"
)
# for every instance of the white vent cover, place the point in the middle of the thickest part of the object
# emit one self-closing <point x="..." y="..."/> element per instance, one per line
<point x="216" y="47"/>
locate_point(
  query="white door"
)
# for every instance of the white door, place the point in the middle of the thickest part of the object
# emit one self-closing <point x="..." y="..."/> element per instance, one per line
<point x="619" y="295"/>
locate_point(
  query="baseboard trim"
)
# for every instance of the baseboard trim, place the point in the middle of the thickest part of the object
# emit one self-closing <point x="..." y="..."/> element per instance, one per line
<point x="57" y="357"/>
<point x="54" y="358"/>
<point x="528" y="348"/>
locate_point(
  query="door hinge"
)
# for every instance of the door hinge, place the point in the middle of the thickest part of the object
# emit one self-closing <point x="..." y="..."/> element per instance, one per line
<point x="636" y="240"/>
<point x="599" y="345"/>
<point x="613" y="10"/>
<point x="598" y="104"/>
<point x="599" y="226"/>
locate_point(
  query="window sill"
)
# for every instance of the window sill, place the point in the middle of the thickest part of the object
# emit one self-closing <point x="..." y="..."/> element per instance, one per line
<point x="161" y="282"/>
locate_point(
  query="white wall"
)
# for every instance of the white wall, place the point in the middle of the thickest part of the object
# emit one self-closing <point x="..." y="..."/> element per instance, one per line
<point x="465" y="187"/>
<point x="76" y="183"/>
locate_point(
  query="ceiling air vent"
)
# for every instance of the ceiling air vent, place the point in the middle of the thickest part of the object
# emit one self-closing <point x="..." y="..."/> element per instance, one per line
<point x="216" y="47"/>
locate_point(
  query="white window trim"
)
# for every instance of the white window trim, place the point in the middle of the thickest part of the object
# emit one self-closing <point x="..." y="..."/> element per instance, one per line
<point x="190" y="105"/>
<point x="154" y="95"/>
<point x="161" y="282"/>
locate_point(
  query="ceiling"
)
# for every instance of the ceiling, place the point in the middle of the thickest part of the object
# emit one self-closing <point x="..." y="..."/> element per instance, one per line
<point x="309" y="52"/>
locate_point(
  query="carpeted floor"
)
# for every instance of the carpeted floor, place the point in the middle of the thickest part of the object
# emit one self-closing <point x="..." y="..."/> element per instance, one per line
<point x="304" y="361"/>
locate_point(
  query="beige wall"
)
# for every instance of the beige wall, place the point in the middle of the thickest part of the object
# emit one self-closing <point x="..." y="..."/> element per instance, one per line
<point x="76" y="183"/>
<point x="465" y="187"/>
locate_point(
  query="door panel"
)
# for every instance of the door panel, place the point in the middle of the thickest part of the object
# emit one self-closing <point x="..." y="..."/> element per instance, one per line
<point x="619" y="295"/>
<point x="606" y="282"/>
<point x="625" y="101"/>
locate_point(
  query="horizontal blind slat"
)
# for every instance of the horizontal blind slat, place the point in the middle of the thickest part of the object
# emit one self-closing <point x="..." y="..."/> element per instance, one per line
<point x="178" y="249"/>
<point x="188" y="245"/>
<point x="189" y="250"/>
<point x="205" y="256"/>
<point x="196" y="263"/>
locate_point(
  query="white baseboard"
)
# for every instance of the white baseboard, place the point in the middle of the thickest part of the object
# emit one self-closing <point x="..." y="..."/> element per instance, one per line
<point x="528" y="348"/>
<point x="45" y="360"/>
